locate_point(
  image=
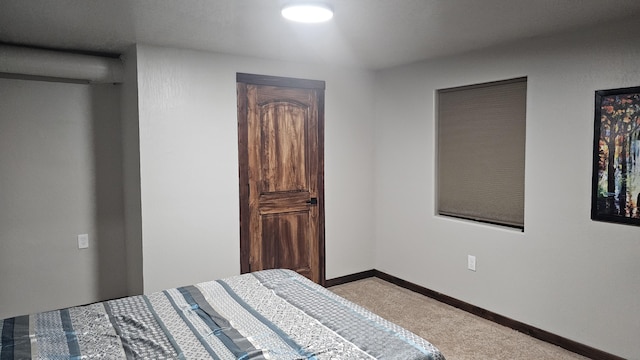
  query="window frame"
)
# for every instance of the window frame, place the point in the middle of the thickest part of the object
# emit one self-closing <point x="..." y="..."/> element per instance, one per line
<point x="492" y="89"/>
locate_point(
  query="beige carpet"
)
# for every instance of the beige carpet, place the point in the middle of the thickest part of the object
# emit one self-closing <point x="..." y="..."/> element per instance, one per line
<point x="458" y="334"/>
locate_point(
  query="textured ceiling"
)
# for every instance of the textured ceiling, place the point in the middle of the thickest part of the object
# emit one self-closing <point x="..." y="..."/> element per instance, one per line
<point x="364" y="33"/>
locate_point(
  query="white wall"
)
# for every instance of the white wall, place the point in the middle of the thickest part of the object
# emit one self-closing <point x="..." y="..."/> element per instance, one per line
<point x="131" y="173"/>
<point x="60" y="176"/>
<point x="189" y="164"/>
<point x="565" y="274"/>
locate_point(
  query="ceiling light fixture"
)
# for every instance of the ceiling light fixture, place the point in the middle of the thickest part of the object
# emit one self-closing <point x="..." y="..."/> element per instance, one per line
<point x="307" y="13"/>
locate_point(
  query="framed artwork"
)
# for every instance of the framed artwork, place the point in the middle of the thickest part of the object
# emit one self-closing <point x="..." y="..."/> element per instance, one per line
<point x="616" y="156"/>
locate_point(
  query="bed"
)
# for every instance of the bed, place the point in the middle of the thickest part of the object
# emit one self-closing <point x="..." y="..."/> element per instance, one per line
<point x="270" y="314"/>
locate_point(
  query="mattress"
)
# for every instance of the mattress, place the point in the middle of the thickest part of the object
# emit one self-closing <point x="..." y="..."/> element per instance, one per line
<point x="271" y="314"/>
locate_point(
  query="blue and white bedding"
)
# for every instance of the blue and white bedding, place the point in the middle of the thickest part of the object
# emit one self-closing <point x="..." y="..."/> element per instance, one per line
<point x="271" y="314"/>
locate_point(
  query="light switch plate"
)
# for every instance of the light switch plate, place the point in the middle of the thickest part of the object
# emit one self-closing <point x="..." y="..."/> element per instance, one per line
<point x="83" y="241"/>
<point x="471" y="262"/>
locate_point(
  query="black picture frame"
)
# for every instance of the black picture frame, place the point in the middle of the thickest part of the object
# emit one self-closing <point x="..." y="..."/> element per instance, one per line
<point x="616" y="156"/>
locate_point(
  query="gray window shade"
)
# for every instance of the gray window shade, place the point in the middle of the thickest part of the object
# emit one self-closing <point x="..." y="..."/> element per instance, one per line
<point x="481" y="149"/>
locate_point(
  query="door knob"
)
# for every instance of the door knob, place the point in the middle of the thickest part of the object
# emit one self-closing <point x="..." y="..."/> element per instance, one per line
<point x="312" y="201"/>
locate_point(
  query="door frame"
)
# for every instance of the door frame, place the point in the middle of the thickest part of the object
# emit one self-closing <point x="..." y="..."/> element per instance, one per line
<point x="243" y="79"/>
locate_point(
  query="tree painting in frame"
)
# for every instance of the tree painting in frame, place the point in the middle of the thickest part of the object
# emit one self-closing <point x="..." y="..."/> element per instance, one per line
<point x="616" y="158"/>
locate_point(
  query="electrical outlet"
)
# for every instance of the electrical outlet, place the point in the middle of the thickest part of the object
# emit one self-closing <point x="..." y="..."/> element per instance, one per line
<point x="471" y="262"/>
<point x="83" y="241"/>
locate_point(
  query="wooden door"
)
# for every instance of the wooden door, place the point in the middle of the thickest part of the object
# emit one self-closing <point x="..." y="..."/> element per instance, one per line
<point x="281" y="160"/>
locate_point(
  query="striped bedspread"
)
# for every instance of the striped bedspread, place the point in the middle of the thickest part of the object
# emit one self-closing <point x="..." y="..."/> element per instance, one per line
<point x="271" y="314"/>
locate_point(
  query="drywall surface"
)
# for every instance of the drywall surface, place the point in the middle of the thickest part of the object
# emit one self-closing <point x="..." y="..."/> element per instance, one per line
<point x="565" y="273"/>
<point x="189" y="164"/>
<point x="60" y="176"/>
<point x="131" y="173"/>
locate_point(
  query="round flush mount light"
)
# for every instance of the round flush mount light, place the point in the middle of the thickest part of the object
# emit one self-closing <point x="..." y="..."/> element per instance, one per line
<point x="307" y="13"/>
